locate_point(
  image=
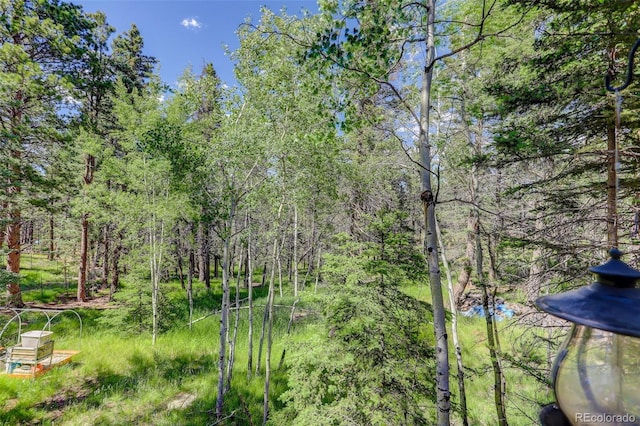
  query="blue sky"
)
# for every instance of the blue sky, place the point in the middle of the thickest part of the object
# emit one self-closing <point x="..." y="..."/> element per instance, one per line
<point x="183" y="33"/>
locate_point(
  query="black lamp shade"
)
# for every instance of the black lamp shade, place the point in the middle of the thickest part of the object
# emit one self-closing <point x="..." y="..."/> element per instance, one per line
<point x="611" y="303"/>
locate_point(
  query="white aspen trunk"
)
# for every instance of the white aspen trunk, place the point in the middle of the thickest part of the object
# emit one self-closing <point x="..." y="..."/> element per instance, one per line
<point x="224" y="315"/>
<point x="267" y="379"/>
<point x="265" y="318"/>
<point x="443" y="396"/>
<point x="250" y="296"/>
<point x="232" y="342"/>
<point x="279" y="262"/>
<point x="156" y="241"/>
<point x="454" y="331"/>
<point x="153" y="280"/>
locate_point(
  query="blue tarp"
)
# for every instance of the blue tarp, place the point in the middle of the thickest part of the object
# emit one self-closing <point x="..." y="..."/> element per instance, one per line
<point x="502" y="312"/>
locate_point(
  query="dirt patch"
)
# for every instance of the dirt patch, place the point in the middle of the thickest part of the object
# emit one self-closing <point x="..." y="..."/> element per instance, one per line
<point x="300" y="315"/>
<point x="181" y="401"/>
<point x="99" y="301"/>
<point x="10" y="404"/>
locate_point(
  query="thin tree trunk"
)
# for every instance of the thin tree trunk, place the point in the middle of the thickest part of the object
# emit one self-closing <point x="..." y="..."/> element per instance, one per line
<point x="503" y="380"/>
<point x="180" y="270"/>
<point x="232" y="260"/>
<point x="443" y="396"/>
<point x="249" y="281"/>
<point x="156" y="246"/>
<point x="295" y="251"/>
<point x="200" y="243"/>
<point x="493" y="264"/>
<point x="464" y="278"/>
<point x="3" y="229"/>
<point x="534" y="281"/>
<point x="493" y="353"/>
<point x="115" y="270"/>
<point x="265" y="317"/>
<point x="190" y="270"/>
<point x="224" y="319"/>
<point x="291" y="316"/>
<point x="52" y="241"/>
<point x="204" y="255"/>
<point x="14" y="294"/>
<point x="267" y="379"/>
<point x="106" y="236"/>
<point x="279" y="262"/>
<point x="89" y="166"/>
<point x="232" y="343"/>
<point x="454" y="332"/>
<point x="84" y="251"/>
<point x="26" y="235"/>
<point x="154" y="293"/>
<point x="207" y="260"/>
<point x="315" y="289"/>
<point x="91" y="272"/>
<point x="224" y="315"/>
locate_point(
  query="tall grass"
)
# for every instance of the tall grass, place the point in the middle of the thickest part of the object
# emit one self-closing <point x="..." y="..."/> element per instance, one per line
<point x="119" y="378"/>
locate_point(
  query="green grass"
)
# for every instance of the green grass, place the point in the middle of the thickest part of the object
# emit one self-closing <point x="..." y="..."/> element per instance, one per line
<point x="44" y="281"/>
<point x="119" y="378"/>
<point x="524" y="393"/>
<point x="128" y="381"/>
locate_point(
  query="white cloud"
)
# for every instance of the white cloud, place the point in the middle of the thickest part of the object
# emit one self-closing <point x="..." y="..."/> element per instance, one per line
<point x="191" y="23"/>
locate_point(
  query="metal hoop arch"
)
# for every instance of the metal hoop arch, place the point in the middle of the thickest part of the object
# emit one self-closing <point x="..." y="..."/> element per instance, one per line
<point x="19" y="311"/>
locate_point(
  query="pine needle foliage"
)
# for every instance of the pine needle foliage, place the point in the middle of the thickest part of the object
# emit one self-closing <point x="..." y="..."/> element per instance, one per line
<point x="371" y="362"/>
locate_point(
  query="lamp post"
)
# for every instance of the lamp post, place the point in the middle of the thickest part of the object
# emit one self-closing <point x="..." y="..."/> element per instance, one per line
<point x="596" y="374"/>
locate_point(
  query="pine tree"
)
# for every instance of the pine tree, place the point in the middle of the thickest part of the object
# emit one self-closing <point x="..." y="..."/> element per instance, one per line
<point x="38" y="54"/>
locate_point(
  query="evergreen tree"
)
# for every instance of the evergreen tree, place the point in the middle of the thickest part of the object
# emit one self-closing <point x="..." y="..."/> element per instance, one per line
<point x="369" y="363"/>
<point x="39" y="49"/>
<point x="131" y="64"/>
<point x="95" y="90"/>
<point x="558" y="121"/>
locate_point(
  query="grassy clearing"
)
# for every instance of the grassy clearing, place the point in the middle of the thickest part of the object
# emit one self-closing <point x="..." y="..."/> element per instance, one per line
<point x="120" y="379"/>
<point x="116" y="380"/>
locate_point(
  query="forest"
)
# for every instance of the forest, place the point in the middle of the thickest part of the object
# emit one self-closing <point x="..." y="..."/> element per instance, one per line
<point x="307" y="246"/>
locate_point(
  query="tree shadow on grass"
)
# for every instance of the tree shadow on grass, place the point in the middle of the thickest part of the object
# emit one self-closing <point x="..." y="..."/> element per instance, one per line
<point x="94" y="391"/>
